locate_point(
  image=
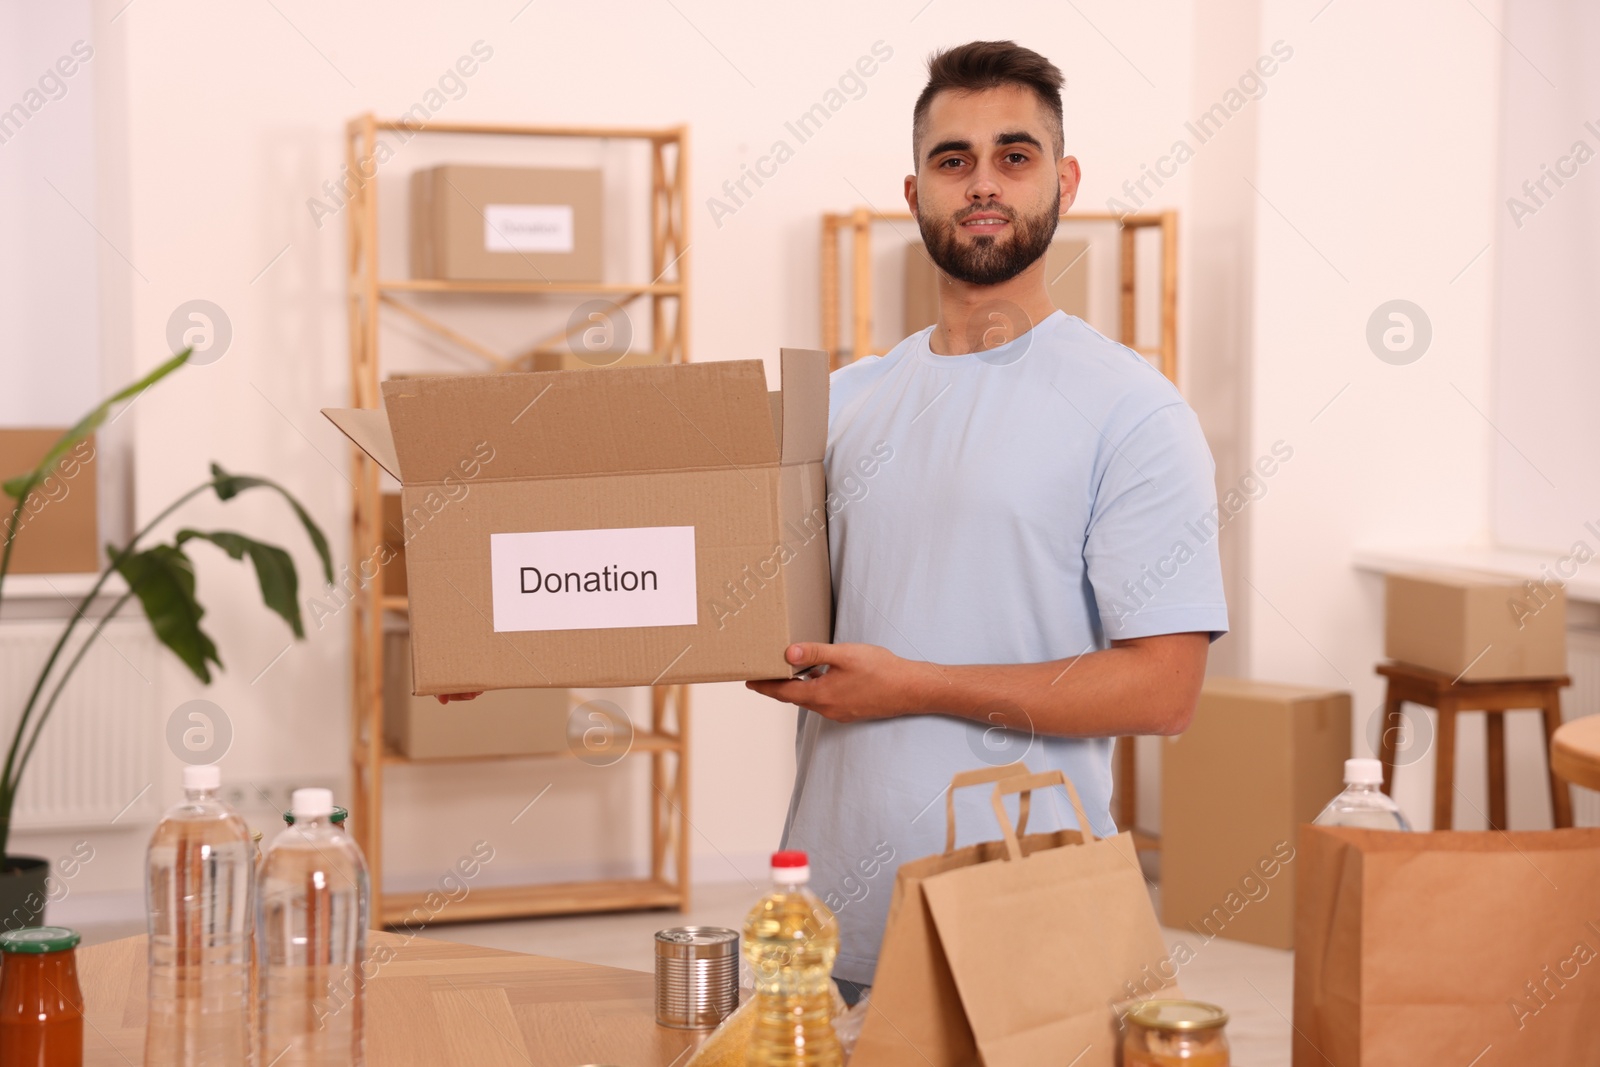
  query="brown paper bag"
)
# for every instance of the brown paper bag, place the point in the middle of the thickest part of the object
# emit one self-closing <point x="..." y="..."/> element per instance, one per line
<point x="1452" y="947"/>
<point x="1013" y="953"/>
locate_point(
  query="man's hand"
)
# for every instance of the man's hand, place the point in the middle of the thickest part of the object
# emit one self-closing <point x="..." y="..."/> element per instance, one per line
<point x="448" y="697"/>
<point x="861" y="682"/>
<point x="1140" y="685"/>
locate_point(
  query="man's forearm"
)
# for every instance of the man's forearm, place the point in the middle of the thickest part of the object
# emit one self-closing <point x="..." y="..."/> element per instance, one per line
<point x="1144" y="686"/>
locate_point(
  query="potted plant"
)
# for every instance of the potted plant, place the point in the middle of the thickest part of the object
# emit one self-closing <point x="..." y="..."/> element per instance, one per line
<point x="161" y="578"/>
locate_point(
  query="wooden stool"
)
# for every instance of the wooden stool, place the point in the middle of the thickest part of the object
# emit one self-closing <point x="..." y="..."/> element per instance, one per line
<point x="1575" y="752"/>
<point x="1127" y="784"/>
<point x="1450" y="698"/>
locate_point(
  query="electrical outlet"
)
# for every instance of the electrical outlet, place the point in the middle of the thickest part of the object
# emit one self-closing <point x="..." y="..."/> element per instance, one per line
<point x="272" y="794"/>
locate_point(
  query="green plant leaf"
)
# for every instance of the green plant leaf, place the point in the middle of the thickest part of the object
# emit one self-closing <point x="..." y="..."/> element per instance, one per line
<point x="162" y="577"/>
<point x="280" y="585"/>
<point x="19" y="487"/>
<point x="231" y="485"/>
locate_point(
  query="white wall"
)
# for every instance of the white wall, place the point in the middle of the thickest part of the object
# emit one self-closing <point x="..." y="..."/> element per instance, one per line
<point x="233" y="120"/>
<point x="1546" y="378"/>
<point x="1376" y="182"/>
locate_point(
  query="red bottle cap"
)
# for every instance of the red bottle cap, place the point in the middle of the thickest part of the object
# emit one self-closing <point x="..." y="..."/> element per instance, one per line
<point x="790" y="859"/>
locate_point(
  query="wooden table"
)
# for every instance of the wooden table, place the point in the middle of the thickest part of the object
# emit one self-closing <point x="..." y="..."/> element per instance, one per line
<point x="1575" y="752"/>
<point x="436" y="1003"/>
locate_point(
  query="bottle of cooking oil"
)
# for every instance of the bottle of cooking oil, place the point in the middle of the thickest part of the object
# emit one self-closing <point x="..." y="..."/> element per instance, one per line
<point x="790" y="940"/>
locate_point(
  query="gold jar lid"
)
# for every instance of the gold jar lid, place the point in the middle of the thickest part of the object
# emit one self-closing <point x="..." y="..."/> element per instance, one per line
<point x="1177" y="1015"/>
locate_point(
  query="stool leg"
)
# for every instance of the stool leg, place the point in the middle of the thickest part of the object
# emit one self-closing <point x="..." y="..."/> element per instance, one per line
<point x="1560" y="791"/>
<point x="1495" y="728"/>
<point x="1444" y="766"/>
<point x="1128" y="802"/>
<point x="1393" y="723"/>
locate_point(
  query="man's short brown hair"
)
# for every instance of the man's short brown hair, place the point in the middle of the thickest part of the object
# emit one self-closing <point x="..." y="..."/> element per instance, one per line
<point x="979" y="65"/>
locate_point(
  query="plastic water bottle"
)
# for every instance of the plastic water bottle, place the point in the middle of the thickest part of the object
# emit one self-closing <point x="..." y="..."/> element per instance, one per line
<point x="1363" y="803"/>
<point x="199" y="895"/>
<point x="790" y="941"/>
<point x="313" y="917"/>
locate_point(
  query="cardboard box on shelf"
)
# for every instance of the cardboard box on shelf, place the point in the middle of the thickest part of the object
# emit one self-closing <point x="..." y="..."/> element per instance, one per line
<point x="59" y="531"/>
<point x="1475" y="626"/>
<point x="477" y="223"/>
<point x="1259" y="760"/>
<point x="1069" y="289"/>
<point x="507" y="722"/>
<point x="571" y="360"/>
<point x="641" y="526"/>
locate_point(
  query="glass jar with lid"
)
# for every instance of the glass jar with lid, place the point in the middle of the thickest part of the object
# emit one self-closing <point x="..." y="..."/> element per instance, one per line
<point x="1175" y="1033"/>
<point x="41" y="1004"/>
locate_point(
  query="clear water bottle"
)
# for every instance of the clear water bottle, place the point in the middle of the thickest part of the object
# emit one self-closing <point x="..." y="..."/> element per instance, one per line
<point x="313" y="918"/>
<point x="199" y="895"/>
<point x="790" y="941"/>
<point x="1363" y="803"/>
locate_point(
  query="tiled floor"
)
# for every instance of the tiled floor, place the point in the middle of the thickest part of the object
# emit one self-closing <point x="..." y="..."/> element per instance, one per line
<point x="1252" y="983"/>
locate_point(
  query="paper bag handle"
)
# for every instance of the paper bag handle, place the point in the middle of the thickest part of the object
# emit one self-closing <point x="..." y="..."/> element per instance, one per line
<point x="1026" y="785"/>
<point x="981" y="776"/>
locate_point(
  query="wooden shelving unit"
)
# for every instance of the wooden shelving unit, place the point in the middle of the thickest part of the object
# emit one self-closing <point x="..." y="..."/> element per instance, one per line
<point x="665" y="741"/>
<point x="859" y="223"/>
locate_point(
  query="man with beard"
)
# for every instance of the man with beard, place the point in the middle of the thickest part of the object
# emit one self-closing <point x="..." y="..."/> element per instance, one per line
<point x="1020" y="578"/>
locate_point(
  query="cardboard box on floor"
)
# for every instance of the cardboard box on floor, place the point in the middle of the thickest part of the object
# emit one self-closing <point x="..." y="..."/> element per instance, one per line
<point x="474" y="223"/>
<point x="637" y="526"/>
<point x="59" y="530"/>
<point x="1475" y="626"/>
<point x="1257" y="761"/>
<point x="506" y="722"/>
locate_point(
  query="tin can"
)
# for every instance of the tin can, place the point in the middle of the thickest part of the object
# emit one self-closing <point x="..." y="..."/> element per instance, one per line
<point x="697" y="976"/>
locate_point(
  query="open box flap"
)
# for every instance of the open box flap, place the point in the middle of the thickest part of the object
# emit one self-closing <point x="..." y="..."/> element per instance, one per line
<point x="369" y="429"/>
<point x="803" y="425"/>
<point x="581" y="422"/>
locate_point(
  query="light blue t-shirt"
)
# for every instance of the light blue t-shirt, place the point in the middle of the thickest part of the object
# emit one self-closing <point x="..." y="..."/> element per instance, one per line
<point x="1023" y="504"/>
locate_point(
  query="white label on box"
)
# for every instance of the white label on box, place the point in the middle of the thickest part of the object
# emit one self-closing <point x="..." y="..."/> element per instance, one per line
<point x="527" y="228"/>
<point x="593" y="579"/>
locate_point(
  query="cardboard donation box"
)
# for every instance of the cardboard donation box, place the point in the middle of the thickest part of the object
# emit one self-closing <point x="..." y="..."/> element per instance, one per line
<point x="1454" y="947"/>
<point x="1017" y="952"/>
<point x="506" y="722"/>
<point x="637" y="526"/>
<point x="471" y="223"/>
<point x="58" y="531"/>
<point x="1476" y="627"/>
<point x="1257" y="761"/>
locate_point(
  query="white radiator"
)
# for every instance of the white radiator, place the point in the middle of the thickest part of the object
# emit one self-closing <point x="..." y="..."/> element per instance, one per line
<point x="95" y="759"/>
<point x="1583" y="664"/>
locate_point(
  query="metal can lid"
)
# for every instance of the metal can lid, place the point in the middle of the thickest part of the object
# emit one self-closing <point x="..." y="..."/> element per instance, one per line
<point x="35" y="940"/>
<point x="1177" y="1015"/>
<point x="697" y="942"/>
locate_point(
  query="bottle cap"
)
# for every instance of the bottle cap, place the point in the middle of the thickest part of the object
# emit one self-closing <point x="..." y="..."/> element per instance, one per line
<point x="790" y="867"/>
<point x="205" y="776"/>
<point x="338" y="816"/>
<point x="1363" y="772"/>
<point x="311" y="803"/>
<point x="39" y="939"/>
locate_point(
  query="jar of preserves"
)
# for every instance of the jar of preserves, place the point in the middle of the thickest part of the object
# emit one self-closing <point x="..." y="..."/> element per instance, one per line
<point x="41" y="1004"/>
<point x="1175" y="1033"/>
